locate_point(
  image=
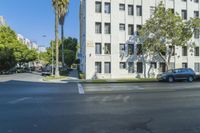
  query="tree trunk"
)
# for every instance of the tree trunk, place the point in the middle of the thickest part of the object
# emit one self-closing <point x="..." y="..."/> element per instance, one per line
<point x="57" y="42"/>
<point x="62" y="36"/>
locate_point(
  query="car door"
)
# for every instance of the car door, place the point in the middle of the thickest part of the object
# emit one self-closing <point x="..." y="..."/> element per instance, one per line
<point x="177" y="74"/>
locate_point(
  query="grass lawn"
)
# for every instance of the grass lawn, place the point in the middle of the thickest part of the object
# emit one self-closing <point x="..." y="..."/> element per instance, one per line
<point x="49" y="78"/>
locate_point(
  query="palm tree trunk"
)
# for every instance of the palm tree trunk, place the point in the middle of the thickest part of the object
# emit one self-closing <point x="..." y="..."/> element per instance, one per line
<point x="57" y="37"/>
<point x="62" y="36"/>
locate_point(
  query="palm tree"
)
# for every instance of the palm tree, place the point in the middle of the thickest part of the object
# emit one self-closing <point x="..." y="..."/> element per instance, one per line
<point x="63" y="11"/>
<point x="60" y="7"/>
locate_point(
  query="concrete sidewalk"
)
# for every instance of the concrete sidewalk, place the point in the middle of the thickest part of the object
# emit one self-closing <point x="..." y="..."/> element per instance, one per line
<point x="139" y="87"/>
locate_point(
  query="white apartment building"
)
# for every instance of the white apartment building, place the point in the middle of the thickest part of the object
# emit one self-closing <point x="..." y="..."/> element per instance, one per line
<point x="107" y="27"/>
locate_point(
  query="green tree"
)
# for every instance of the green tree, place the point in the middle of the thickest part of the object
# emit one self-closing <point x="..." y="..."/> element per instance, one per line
<point x="7" y="39"/>
<point x="12" y="51"/>
<point x="163" y="30"/>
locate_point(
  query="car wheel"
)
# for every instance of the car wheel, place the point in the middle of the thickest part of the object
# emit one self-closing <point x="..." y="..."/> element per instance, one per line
<point x="170" y="79"/>
<point x="190" y="79"/>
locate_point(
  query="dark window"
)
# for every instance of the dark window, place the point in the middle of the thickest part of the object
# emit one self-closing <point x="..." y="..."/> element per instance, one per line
<point x="98" y="7"/>
<point x="197" y="67"/>
<point x="122" y="7"/>
<point x="139" y="10"/>
<point x="130" y="67"/>
<point x="196" y="33"/>
<point x="139" y="67"/>
<point x="130" y="49"/>
<point x="172" y="50"/>
<point x="98" y="27"/>
<point x="130" y="29"/>
<point x="139" y="49"/>
<point x="130" y="10"/>
<point x="184" y="51"/>
<point x="107" y="28"/>
<point x="162" y="67"/>
<point x="107" y="48"/>
<point x="107" y="67"/>
<point x="184" y="14"/>
<point x="122" y="27"/>
<point x="122" y="65"/>
<point x="98" y="67"/>
<point x="107" y="7"/>
<point x="196" y="51"/>
<point x="98" y="48"/>
<point x="196" y="14"/>
<point x="184" y="65"/>
<point x="153" y="65"/>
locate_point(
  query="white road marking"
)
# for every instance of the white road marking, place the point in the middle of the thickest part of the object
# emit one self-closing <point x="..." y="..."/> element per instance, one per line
<point x="80" y="89"/>
<point x="105" y="99"/>
<point x="125" y="99"/>
<point x="19" y="100"/>
<point x="118" y="97"/>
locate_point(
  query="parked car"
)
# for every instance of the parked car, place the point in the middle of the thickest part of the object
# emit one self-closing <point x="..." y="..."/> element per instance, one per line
<point x="177" y="74"/>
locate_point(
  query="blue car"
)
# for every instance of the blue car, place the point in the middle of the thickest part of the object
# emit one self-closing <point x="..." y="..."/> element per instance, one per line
<point x="177" y="75"/>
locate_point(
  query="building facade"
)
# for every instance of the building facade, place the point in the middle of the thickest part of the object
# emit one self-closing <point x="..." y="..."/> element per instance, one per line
<point x="107" y="29"/>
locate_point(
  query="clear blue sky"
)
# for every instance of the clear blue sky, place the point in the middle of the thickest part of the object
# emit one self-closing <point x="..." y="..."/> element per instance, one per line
<point x="34" y="18"/>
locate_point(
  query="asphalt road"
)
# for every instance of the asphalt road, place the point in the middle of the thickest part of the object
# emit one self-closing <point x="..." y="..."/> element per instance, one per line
<point x="37" y="107"/>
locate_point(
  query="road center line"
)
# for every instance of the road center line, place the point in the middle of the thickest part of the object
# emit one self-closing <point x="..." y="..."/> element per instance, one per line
<point x="80" y="89"/>
<point x="19" y="100"/>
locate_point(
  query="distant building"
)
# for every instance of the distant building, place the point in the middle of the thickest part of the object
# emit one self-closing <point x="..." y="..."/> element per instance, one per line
<point x="42" y="49"/>
<point x="2" y="21"/>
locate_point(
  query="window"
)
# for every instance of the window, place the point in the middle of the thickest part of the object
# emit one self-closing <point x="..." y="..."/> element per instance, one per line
<point x="196" y="14"/>
<point x="184" y="0"/>
<point x="122" y="65"/>
<point x="122" y="49"/>
<point x="130" y="49"/>
<point x="162" y="67"/>
<point x="130" y="29"/>
<point x="197" y="67"/>
<point x="184" y="14"/>
<point x="98" y="67"/>
<point x="122" y="27"/>
<point x="107" y="48"/>
<point x="107" y="67"/>
<point x="107" y="8"/>
<point x="139" y="67"/>
<point x="98" y="27"/>
<point x="130" y="10"/>
<point x="184" y="51"/>
<point x="98" y="7"/>
<point x="196" y="52"/>
<point x="139" y="10"/>
<point x="196" y="33"/>
<point x="172" y="10"/>
<point x="130" y="67"/>
<point x="184" y="65"/>
<point x="107" y="28"/>
<point x="139" y="27"/>
<point x="122" y="7"/>
<point x="196" y="1"/>
<point x="172" y="50"/>
<point x="139" y="49"/>
<point x="153" y="65"/>
<point x="98" y="48"/>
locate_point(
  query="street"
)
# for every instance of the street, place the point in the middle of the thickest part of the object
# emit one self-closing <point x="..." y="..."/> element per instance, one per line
<point x="28" y="105"/>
